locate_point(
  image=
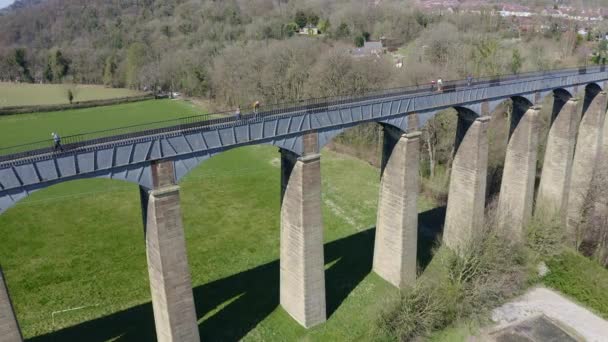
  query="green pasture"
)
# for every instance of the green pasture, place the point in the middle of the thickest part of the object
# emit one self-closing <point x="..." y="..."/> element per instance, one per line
<point x="28" y="94"/>
<point x="81" y="244"/>
<point x="25" y="128"/>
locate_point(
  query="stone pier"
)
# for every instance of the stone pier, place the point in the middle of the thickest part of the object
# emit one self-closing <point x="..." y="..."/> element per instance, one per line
<point x="516" y="198"/>
<point x="586" y="155"/>
<point x="554" y="188"/>
<point x="9" y="328"/>
<point x="302" y="271"/>
<point x="397" y="223"/>
<point x="466" y="199"/>
<point x="170" y="283"/>
<point x="592" y="242"/>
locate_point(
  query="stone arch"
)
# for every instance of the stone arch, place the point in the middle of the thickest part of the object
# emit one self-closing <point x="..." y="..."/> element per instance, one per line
<point x="327" y="135"/>
<point x="184" y="164"/>
<point x="82" y="224"/>
<point x="561" y="96"/>
<point x="591" y="92"/>
<point x="520" y="107"/>
<point x="139" y="174"/>
<point x="466" y="117"/>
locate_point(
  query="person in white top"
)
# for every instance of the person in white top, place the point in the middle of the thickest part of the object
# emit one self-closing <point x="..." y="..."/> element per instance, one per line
<point x="237" y="113"/>
<point x="57" y="140"/>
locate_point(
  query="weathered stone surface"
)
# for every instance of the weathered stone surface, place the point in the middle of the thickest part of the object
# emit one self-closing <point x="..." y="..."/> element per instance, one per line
<point x="516" y="197"/>
<point x="170" y="282"/>
<point x="163" y="174"/>
<point x="554" y="188"/>
<point x="302" y="273"/>
<point x="9" y="328"/>
<point x="310" y="143"/>
<point x="466" y="198"/>
<point x="397" y="223"/>
<point x="586" y="155"/>
<point x="594" y="230"/>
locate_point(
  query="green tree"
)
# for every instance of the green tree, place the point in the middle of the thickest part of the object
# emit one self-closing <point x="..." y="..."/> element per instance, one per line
<point x="486" y="56"/>
<point x="109" y="71"/>
<point x="136" y="56"/>
<point x="421" y="18"/>
<point x="20" y="60"/>
<point x="343" y="31"/>
<point x="324" y="25"/>
<point x="48" y="73"/>
<point x="313" y="19"/>
<point x="70" y="95"/>
<point x="599" y="57"/>
<point x="290" y="29"/>
<point x="301" y="19"/>
<point x="516" y="61"/>
<point x="366" y="35"/>
<point x="59" y="65"/>
<point x="359" y="41"/>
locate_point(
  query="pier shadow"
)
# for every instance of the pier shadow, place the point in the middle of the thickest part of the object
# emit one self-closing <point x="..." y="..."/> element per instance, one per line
<point x="231" y="307"/>
<point x="430" y="229"/>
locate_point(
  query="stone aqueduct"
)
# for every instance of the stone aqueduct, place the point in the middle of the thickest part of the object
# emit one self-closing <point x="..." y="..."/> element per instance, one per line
<point x="157" y="160"/>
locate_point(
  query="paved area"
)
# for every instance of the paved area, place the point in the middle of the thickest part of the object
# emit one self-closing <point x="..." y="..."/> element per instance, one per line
<point x="545" y="315"/>
<point x="535" y="329"/>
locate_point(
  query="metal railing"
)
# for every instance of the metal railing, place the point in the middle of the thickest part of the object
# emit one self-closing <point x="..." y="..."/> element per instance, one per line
<point x="312" y="105"/>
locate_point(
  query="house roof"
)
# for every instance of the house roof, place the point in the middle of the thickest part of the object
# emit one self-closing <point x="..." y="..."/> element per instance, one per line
<point x="367" y="49"/>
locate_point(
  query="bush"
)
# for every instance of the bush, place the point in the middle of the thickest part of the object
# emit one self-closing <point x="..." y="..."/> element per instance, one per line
<point x="457" y="287"/>
<point x="417" y="313"/>
<point x="437" y="187"/>
<point x="359" y="41"/>
<point x="545" y="235"/>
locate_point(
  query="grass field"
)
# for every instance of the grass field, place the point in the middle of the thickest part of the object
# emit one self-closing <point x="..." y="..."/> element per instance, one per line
<point x="81" y="244"/>
<point x="27" y="94"/>
<point x="580" y="278"/>
<point x="26" y="128"/>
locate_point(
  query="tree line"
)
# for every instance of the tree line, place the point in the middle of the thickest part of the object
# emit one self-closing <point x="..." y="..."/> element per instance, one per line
<point x="238" y="51"/>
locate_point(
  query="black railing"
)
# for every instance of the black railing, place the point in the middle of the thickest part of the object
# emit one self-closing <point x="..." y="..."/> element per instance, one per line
<point x="309" y="105"/>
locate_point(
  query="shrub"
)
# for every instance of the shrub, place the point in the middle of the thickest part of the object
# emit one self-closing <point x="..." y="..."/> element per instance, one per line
<point x="457" y="286"/>
<point x="545" y="235"/>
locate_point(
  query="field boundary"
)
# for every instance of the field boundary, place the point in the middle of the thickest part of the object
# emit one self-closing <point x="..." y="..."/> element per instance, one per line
<point x="76" y="105"/>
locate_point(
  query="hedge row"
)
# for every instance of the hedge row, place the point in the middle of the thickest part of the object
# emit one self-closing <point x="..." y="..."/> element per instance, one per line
<point x="75" y="105"/>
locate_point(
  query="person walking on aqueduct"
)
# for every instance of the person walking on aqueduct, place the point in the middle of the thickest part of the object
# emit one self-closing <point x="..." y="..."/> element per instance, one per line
<point x="57" y="140"/>
<point x="256" y="107"/>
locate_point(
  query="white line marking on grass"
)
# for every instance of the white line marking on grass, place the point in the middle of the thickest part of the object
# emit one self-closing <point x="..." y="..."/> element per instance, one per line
<point x="66" y="310"/>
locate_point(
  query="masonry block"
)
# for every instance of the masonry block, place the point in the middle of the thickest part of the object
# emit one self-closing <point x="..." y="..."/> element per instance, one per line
<point x="170" y="282"/>
<point x="396" y="241"/>
<point x="310" y="143"/>
<point x="466" y="199"/>
<point x="554" y="188"/>
<point x="586" y="155"/>
<point x="9" y="328"/>
<point x="302" y="272"/>
<point x="516" y="198"/>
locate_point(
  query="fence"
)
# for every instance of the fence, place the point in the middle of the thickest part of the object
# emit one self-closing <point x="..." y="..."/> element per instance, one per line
<point x="226" y="117"/>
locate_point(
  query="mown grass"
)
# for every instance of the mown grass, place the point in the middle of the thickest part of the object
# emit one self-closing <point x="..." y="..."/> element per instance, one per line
<point x="81" y="244"/>
<point x="27" y="94"/>
<point x="27" y="128"/>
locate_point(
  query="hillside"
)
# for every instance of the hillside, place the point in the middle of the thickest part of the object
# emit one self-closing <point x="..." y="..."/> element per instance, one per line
<point x="236" y="52"/>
